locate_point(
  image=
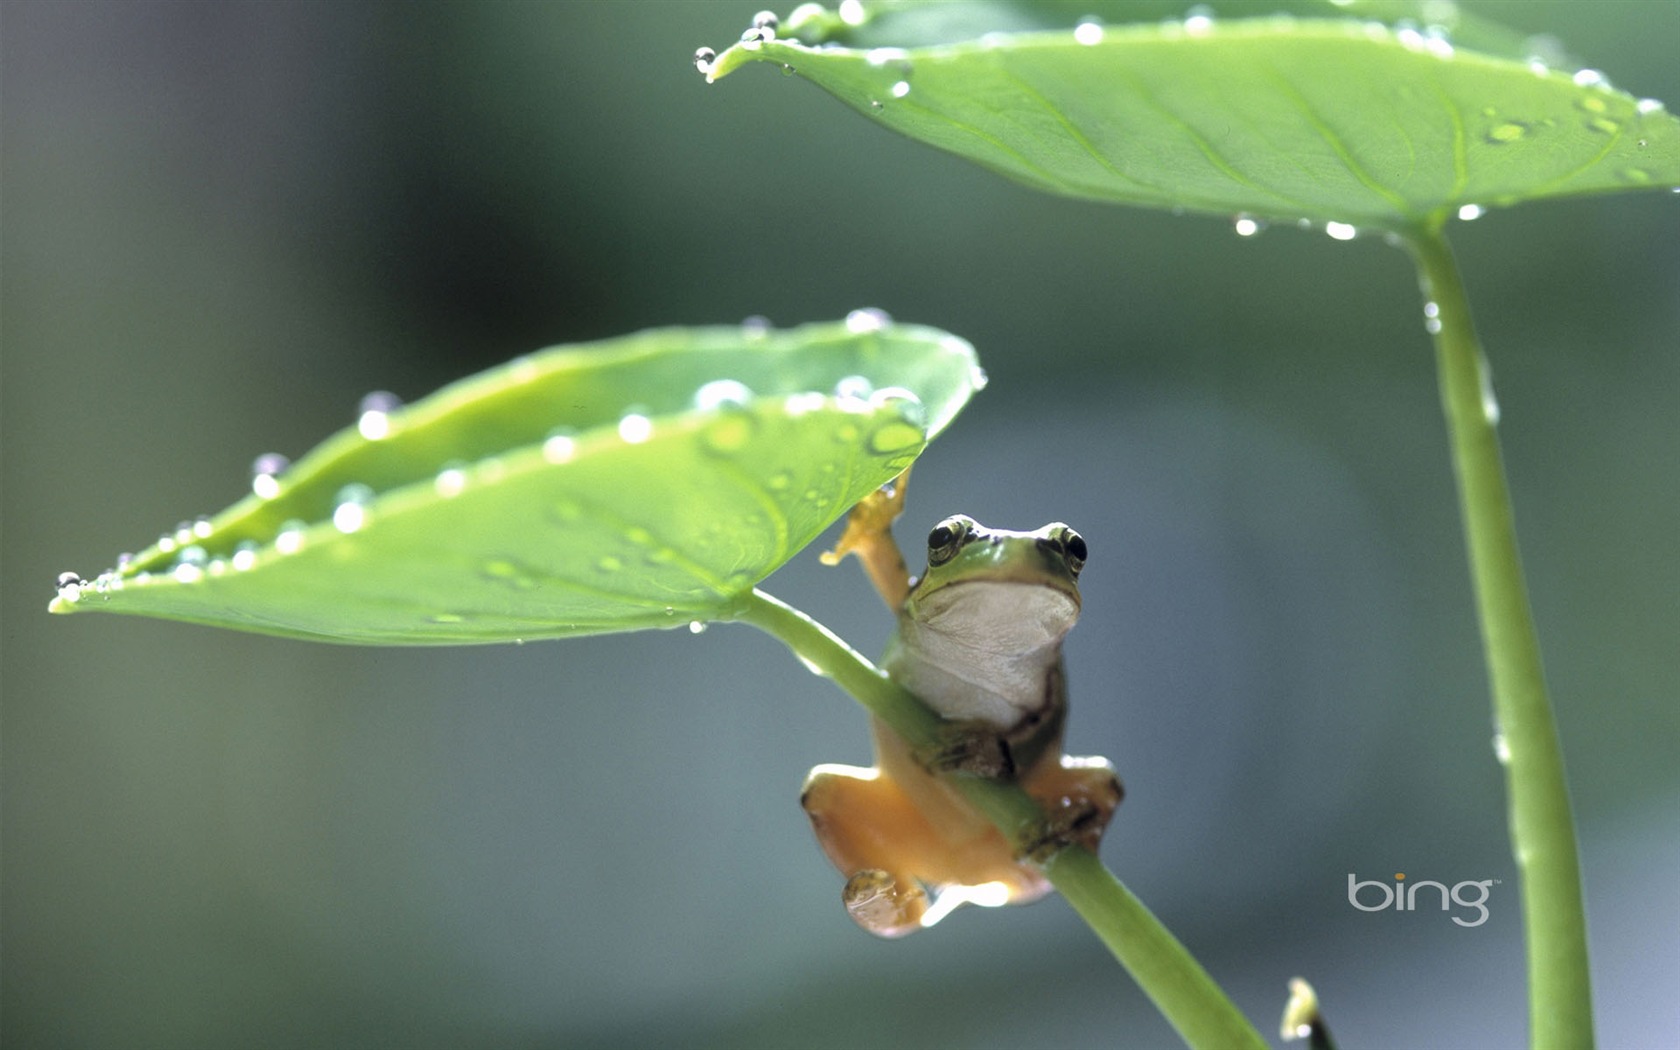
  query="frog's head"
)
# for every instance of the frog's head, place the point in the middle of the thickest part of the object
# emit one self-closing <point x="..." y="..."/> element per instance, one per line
<point x="1020" y="588"/>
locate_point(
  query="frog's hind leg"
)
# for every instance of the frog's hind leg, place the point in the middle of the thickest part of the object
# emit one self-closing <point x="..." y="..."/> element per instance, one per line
<point x="873" y="834"/>
<point x="1078" y="796"/>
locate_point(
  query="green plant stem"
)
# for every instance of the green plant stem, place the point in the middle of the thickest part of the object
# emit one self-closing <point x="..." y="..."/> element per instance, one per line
<point x="1184" y="993"/>
<point x="1542" y="828"/>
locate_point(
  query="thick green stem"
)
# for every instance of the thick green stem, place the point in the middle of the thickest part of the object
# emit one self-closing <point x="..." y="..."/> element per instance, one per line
<point x="1542" y="828"/>
<point x="1184" y="993"/>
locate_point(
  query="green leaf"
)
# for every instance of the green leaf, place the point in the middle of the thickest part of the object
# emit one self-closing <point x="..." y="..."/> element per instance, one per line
<point x="647" y="481"/>
<point x="1328" y="120"/>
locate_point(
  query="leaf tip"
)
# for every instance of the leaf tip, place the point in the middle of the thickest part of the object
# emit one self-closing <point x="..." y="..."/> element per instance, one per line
<point x="70" y="587"/>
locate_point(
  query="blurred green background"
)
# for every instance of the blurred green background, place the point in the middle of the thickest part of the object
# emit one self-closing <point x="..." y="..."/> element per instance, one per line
<point x="224" y="223"/>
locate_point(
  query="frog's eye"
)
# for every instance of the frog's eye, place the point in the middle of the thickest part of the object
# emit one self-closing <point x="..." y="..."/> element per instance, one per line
<point x="1072" y="547"/>
<point x="947" y="538"/>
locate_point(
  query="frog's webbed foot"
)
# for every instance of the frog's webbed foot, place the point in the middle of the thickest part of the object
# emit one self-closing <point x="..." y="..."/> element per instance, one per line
<point x="868" y="535"/>
<point x="885" y="904"/>
<point x="1078" y="796"/>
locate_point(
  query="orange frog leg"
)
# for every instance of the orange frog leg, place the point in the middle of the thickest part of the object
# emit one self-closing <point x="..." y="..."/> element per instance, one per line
<point x="1078" y="796"/>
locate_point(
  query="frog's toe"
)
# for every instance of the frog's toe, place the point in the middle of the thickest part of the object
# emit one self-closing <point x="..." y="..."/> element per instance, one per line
<point x="885" y="904"/>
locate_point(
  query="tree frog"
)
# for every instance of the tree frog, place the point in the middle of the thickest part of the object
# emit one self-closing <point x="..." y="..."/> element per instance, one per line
<point x="979" y="640"/>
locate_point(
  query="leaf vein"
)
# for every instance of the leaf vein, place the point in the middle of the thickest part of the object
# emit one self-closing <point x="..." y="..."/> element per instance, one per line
<point x="1211" y="154"/>
<point x="1334" y="140"/>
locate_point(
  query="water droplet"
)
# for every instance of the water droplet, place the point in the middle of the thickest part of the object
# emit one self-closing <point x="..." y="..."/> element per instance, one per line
<point x="1647" y="106"/>
<point x="895" y="436"/>
<point x="1590" y="78"/>
<point x="730" y="432"/>
<point x="867" y="319"/>
<point x="766" y="20"/>
<point x="374" y="414"/>
<point x="851" y="12"/>
<point x="450" y="481"/>
<point x="566" y="511"/>
<point x="978" y="378"/>
<point x="1341" y="231"/>
<point x="1471" y="212"/>
<point x="875" y="104"/>
<point x="68" y="579"/>
<point x="202" y="528"/>
<point x="634" y="427"/>
<point x="165" y="544"/>
<point x="350" y="507"/>
<point x="1506" y="132"/>
<point x="755" y="327"/>
<point x="559" y="446"/>
<point x="509" y="574"/>
<point x="1246" y="226"/>
<point x="703" y="59"/>
<point x="194" y="555"/>
<point x="901" y="89"/>
<point x="854" y="388"/>
<point x="883" y="56"/>
<point x="1432" y="317"/>
<point x="1198" y="21"/>
<point x="1490" y="403"/>
<point x="186" y="572"/>
<point x="803" y="404"/>
<point x="265" y="474"/>
<point x="1501" y="749"/>
<point x="722" y="393"/>
<point x="244" y="556"/>
<point x="609" y="564"/>
<point x="753" y="39"/>
<point x="696" y="627"/>
<point x="787" y="70"/>
<point x="1604" y="124"/>
<point x="1088" y="33"/>
<point x="904" y="400"/>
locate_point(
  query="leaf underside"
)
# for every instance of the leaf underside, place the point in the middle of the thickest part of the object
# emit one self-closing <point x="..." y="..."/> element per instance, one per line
<point x="1283" y="119"/>
<point x="574" y="491"/>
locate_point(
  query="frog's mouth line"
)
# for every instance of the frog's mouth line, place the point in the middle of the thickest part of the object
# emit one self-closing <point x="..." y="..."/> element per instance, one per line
<point x="1056" y="583"/>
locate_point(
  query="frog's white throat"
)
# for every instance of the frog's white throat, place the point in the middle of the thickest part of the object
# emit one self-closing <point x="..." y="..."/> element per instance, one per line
<point x="983" y="649"/>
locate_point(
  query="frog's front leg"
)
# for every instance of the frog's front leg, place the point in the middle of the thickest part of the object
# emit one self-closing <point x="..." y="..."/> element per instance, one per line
<point x="868" y="535"/>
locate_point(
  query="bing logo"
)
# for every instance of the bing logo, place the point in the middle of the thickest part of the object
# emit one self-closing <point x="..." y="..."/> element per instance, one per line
<point x="1403" y="896"/>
